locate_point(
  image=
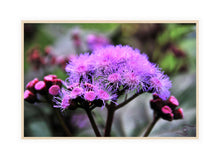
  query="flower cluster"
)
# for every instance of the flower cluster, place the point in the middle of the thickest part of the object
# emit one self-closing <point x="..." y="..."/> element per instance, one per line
<point x="109" y="72"/>
<point x="46" y="59"/>
<point x="84" y="95"/>
<point x="166" y="109"/>
<point x="50" y="85"/>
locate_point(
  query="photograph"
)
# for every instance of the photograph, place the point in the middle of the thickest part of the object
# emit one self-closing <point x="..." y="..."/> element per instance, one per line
<point x="126" y="79"/>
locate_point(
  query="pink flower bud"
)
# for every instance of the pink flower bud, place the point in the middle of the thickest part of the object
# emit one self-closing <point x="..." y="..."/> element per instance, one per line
<point x="29" y="96"/>
<point x="49" y="79"/>
<point x="173" y="101"/>
<point x="57" y="82"/>
<point x="40" y="87"/>
<point x="31" y="84"/>
<point x="54" y="90"/>
<point x="166" y="109"/>
<point x="48" y="50"/>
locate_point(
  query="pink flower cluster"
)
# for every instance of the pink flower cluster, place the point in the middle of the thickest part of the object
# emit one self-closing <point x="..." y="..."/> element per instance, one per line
<point x="50" y="85"/>
<point x="166" y="109"/>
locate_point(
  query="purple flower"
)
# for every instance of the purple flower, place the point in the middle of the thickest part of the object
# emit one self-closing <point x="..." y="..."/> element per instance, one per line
<point x="97" y="41"/>
<point x="76" y="92"/>
<point x="108" y="72"/>
<point x="79" y="68"/>
<point x="90" y="95"/>
<point x="161" y="84"/>
<point x="63" y="101"/>
<point x="114" y="77"/>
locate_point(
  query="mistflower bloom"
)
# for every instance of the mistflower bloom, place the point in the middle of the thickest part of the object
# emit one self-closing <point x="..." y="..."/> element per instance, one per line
<point x="118" y="67"/>
<point x="64" y="101"/>
<point x="97" y="41"/>
<point x="79" y="68"/>
<point x="166" y="109"/>
<point x="114" y="77"/>
<point x="110" y="71"/>
<point x="77" y="91"/>
<point x="90" y="95"/>
<point x="160" y="84"/>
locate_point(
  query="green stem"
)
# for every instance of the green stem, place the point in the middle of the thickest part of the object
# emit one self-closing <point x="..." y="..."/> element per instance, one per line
<point x="149" y="129"/>
<point x="63" y="124"/>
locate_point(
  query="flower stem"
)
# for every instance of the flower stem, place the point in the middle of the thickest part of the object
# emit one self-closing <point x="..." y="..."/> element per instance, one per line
<point x="92" y="121"/>
<point x="127" y="100"/>
<point x="109" y="121"/>
<point x="63" y="124"/>
<point x="156" y="118"/>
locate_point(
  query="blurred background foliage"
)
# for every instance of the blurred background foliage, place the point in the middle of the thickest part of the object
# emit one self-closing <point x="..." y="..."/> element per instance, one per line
<point x="47" y="48"/>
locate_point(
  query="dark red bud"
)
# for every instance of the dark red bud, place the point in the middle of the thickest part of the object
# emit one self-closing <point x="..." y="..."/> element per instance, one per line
<point x="156" y="104"/>
<point x="48" y="50"/>
<point x="31" y="84"/>
<point x="155" y="96"/>
<point x="168" y="117"/>
<point x="57" y="82"/>
<point x="178" y="114"/>
<point x="49" y="80"/>
<point x="29" y="96"/>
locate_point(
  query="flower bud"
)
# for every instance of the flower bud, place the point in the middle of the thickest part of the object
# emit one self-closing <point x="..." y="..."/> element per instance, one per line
<point x="155" y="96"/>
<point x="41" y="87"/>
<point x="173" y="102"/>
<point x="29" y="96"/>
<point x="49" y="79"/>
<point x="166" y="110"/>
<point x="57" y="82"/>
<point x="31" y="84"/>
<point x="48" y="50"/>
<point x="178" y="114"/>
<point x="54" y="90"/>
<point x="156" y="104"/>
<point x="168" y="117"/>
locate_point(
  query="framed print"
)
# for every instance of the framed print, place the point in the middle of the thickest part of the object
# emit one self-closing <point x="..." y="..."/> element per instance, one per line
<point x="120" y="79"/>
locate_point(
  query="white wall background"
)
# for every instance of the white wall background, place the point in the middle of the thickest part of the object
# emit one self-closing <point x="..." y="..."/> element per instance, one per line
<point x="13" y="147"/>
